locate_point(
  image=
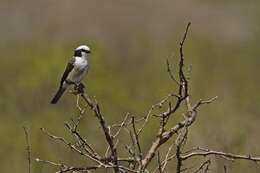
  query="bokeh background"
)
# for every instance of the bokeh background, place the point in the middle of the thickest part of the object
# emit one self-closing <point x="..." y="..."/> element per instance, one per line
<point x="130" y="41"/>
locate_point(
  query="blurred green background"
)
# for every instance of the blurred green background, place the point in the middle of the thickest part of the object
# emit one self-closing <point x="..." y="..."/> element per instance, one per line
<point x="130" y="41"/>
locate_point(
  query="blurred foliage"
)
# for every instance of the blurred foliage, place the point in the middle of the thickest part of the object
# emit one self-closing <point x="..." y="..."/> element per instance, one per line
<point x="128" y="74"/>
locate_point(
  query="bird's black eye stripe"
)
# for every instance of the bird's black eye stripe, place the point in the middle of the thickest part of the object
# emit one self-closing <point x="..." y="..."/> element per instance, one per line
<point x="86" y="51"/>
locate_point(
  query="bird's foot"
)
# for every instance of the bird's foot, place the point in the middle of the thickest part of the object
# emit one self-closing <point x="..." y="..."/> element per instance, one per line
<point x="79" y="89"/>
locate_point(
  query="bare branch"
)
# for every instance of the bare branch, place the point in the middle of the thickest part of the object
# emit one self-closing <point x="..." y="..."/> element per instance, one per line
<point x="201" y="167"/>
<point x="167" y="158"/>
<point x="28" y="148"/>
<point x="164" y="136"/>
<point x="182" y="78"/>
<point x="136" y="138"/>
<point x="207" y="152"/>
<point x="88" y="148"/>
<point x="170" y="72"/>
<point x="50" y="162"/>
<point x="201" y="102"/>
<point x="159" y="163"/>
<point x="225" y="169"/>
<point x="179" y="159"/>
<point x="180" y="142"/>
<point x="71" y="146"/>
<point x="158" y="105"/>
<point x="121" y="125"/>
<point x="109" y="138"/>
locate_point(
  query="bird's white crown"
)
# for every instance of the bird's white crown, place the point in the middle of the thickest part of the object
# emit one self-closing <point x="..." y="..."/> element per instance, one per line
<point x="84" y="47"/>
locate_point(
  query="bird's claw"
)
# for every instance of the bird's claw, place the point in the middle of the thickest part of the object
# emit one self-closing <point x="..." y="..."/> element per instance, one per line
<point x="79" y="89"/>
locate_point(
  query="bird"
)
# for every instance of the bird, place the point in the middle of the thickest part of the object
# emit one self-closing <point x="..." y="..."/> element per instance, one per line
<point x="75" y="70"/>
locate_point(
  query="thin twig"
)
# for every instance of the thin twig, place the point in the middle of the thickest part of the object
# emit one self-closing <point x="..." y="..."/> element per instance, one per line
<point x="170" y="72"/>
<point x="136" y="137"/>
<point x="72" y="147"/>
<point x="159" y="162"/>
<point x="121" y="125"/>
<point x="28" y="148"/>
<point x="167" y="157"/>
<point x="201" y="102"/>
<point x="205" y="163"/>
<point x="89" y="148"/>
<point x="225" y="169"/>
<point x="206" y="152"/>
<point x="180" y="142"/>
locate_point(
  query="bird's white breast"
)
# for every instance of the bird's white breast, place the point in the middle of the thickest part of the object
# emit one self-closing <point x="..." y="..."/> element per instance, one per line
<point x="80" y="63"/>
<point x="79" y="70"/>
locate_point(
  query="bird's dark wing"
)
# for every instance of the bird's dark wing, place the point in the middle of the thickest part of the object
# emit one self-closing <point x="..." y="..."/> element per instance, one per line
<point x="68" y="69"/>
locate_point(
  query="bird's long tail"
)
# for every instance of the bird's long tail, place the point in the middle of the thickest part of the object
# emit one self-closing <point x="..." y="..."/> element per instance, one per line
<point x="58" y="95"/>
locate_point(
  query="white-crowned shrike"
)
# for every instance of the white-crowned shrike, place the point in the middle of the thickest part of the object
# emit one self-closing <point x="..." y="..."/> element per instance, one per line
<point x="76" y="69"/>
